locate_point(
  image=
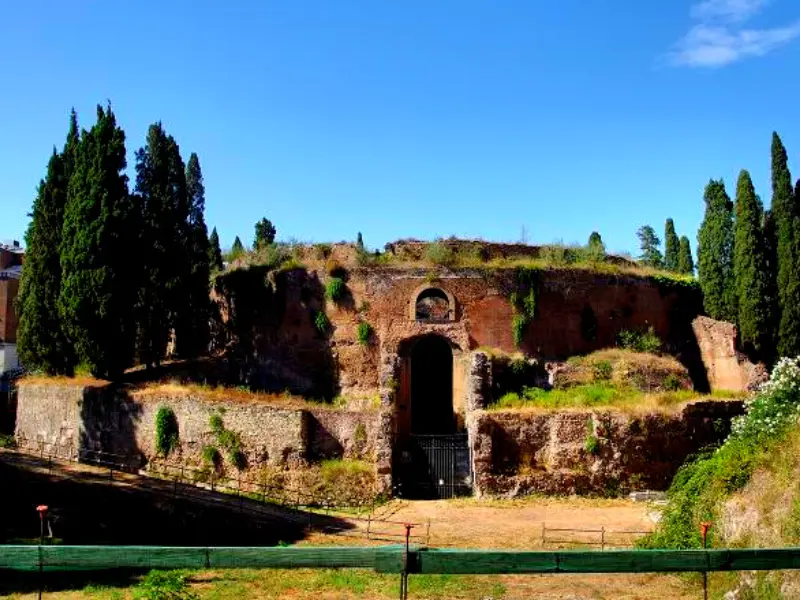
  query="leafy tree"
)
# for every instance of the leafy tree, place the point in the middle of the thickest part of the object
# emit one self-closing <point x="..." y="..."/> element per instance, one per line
<point x="41" y="340"/>
<point x="165" y="290"/>
<point x="671" y="246"/>
<point x="596" y="248"/>
<point x="750" y="267"/>
<point x="214" y="251"/>
<point x="715" y="253"/>
<point x="649" y="243"/>
<point x="192" y="326"/>
<point x="785" y="210"/>
<point x="97" y="296"/>
<point x="237" y="249"/>
<point x="265" y="233"/>
<point x="685" y="262"/>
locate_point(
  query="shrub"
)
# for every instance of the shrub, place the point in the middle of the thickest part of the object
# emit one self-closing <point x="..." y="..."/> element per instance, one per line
<point x="701" y="486"/>
<point x="216" y="424"/>
<point x="7" y="441"/>
<point x="646" y="341"/>
<point x="164" y="585"/>
<point x="334" y="290"/>
<point x="554" y="254"/>
<point x="440" y="254"/>
<point x="321" y="322"/>
<point x="211" y="456"/>
<point x="602" y="370"/>
<point x="167" y="436"/>
<point x="592" y="444"/>
<point x="518" y="326"/>
<point x="672" y="383"/>
<point x="364" y="333"/>
<point x="323" y="251"/>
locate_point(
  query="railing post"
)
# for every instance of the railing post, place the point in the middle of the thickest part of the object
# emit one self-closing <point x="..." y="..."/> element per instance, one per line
<point x="369" y="524"/>
<point x="544" y="529"/>
<point x="603" y="538"/>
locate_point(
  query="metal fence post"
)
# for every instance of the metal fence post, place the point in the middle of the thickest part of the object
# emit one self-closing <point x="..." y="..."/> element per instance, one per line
<point x="603" y="538"/>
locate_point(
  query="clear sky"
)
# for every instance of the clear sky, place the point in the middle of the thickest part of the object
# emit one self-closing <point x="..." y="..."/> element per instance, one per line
<point x="417" y="118"/>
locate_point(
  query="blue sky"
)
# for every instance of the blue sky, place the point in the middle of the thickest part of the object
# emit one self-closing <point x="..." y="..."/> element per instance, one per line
<point x="416" y="118"/>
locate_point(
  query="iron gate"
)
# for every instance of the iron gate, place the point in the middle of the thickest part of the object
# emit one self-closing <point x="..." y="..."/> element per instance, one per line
<point x="433" y="466"/>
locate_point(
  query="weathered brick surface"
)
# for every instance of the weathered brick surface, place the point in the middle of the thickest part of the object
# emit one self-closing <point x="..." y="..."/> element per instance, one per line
<point x="518" y="452"/>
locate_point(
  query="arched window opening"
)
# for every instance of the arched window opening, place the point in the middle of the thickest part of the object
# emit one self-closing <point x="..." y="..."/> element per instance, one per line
<point x="433" y="306"/>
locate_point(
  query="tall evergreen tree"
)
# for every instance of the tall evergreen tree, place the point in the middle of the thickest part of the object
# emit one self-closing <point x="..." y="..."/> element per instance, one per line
<point x="715" y="253"/>
<point x="192" y="327"/>
<point x="214" y="250"/>
<point x="685" y="262"/>
<point x="41" y="341"/>
<point x="97" y="293"/>
<point x="237" y="247"/>
<point x="671" y="246"/>
<point x="649" y="243"/>
<point x="750" y="268"/>
<point x="596" y="248"/>
<point x="265" y="233"/>
<point x="165" y="289"/>
<point x="787" y="215"/>
<point x="771" y="256"/>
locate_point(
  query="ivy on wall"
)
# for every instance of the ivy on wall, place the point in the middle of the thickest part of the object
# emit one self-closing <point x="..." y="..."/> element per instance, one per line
<point x="524" y="301"/>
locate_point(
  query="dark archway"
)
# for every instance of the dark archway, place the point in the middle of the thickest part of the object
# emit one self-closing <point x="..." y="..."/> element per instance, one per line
<point x="431" y="371"/>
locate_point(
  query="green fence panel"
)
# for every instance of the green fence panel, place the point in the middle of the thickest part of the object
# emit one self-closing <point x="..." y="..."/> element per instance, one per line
<point x="21" y="558"/>
<point x="612" y="561"/>
<point x="333" y="557"/>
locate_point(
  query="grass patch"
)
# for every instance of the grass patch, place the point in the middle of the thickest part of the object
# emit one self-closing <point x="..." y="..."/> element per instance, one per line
<point x="594" y="395"/>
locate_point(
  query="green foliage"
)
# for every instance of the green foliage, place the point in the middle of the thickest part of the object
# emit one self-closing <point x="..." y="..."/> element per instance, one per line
<point x="335" y="289"/>
<point x="519" y="324"/>
<point x="715" y="254"/>
<point x="237" y="249"/>
<point x="99" y="269"/>
<point x="592" y="444"/>
<point x="359" y="241"/>
<point x="685" y="261"/>
<point x="364" y="333"/>
<point x="595" y="249"/>
<point x="701" y="487"/>
<point x="192" y="313"/>
<point x="786" y="212"/>
<point x="438" y="253"/>
<point x="41" y="340"/>
<point x="7" y="441"/>
<point x="750" y="268"/>
<point x="649" y="243"/>
<point x="165" y="248"/>
<point x="602" y="370"/>
<point x="321" y="322"/>
<point x="229" y="441"/>
<point x="265" y="233"/>
<point x="214" y="251"/>
<point x="164" y="585"/>
<point x="672" y="382"/>
<point x="671" y="247"/>
<point x="167" y="436"/>
<point x="640" y="341"/>
<point x="211" y="456"/>
<point x="323" y="251"/>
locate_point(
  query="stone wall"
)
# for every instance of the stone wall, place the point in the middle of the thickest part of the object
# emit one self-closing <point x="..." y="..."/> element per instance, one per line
<point x="726" y="367"/>
<point x="122" y="421"/>
<point x="603" y="451"/>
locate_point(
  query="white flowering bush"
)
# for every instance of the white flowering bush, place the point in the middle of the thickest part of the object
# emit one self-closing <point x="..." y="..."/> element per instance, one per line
<point x="775" y="406"/>
<point x="701" y="486"/>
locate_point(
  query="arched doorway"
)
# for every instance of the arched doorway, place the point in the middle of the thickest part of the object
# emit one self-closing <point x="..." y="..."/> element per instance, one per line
<point x="431" y="386"/>
<point x="431" y="460"/>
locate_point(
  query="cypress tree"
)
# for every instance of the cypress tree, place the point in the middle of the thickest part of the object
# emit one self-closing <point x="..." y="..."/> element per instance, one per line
<point x="685" y="262"/>
<point x="192" y="334"/>
<point x="596" y="249"/>
<point x="771" y="257"/>
<point x="715" y="253"/>
<point x="750" y="268"/>
<point x="786" y="214"/>
<point x="41" y="342"/>
<point x="97" y="295"/>
<point x="237" y="247"/>
<point x="671" y="246"/>
<point x="214" y="250"/>
<point x="165" y="289"/>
